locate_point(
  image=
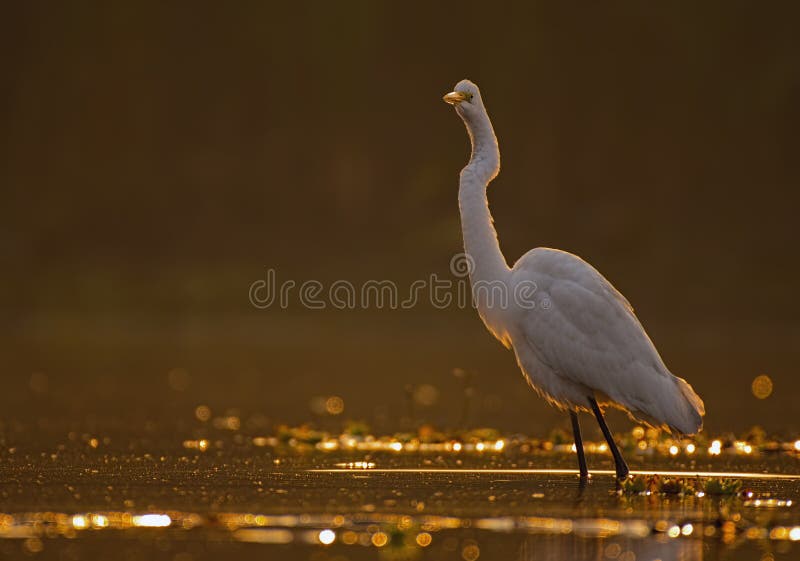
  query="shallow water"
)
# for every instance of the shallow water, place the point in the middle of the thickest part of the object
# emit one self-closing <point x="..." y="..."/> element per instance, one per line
<point x="82" y="498"/>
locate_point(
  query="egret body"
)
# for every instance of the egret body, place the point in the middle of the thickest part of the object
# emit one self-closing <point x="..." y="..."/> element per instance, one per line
<point x="575" y="337"/>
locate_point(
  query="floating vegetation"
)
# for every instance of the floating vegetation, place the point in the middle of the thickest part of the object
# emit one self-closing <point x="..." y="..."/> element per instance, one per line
<point x="666" y="485"/>
<point x="723" y="486"/>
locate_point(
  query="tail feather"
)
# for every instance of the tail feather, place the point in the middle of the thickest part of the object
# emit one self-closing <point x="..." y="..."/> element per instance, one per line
<point x="690" y="409"/>
<point x="664" y="401"/>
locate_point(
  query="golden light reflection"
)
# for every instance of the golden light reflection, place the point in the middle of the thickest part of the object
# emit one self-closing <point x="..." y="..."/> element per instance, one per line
<point x="380" y="529"/>
<point x="349" y="537"/>
<point x="762" y="386"/>
<point x="655" y="442"/>
<point x="264" y="441"/>
<point x="151" y="520"/>
<point x="263" y="535"/>
<point x="559" y="471"/>
<point x="674" y="531"/>
<point x="327" y="537"/>
<point x="201" y="444"/>
<point x="356" y="465"/>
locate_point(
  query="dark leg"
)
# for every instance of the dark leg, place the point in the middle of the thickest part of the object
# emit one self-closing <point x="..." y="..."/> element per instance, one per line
<point x="576" y="433"/>
<point x="619" y="462"/>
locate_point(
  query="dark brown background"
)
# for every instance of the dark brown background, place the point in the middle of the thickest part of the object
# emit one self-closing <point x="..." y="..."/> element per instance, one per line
<point x="157" y="160"/>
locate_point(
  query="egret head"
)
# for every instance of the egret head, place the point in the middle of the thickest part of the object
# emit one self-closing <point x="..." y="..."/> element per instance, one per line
<point x="466" y="98"/>
<point x="467" y="101"/>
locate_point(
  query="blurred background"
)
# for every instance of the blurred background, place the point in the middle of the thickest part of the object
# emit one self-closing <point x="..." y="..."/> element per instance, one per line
<point x="158" y="158"/>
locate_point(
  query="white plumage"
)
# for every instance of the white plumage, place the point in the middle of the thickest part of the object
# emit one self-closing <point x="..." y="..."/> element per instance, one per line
<point x="583" y="338"/>
<point x="576" y="338"/>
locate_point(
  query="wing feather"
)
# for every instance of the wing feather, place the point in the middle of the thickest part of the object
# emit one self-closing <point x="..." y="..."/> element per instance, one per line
<point x="586" y="331"/>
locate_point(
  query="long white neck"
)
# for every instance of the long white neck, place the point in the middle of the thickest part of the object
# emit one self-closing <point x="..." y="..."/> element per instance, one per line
<point x="480" y="237"/>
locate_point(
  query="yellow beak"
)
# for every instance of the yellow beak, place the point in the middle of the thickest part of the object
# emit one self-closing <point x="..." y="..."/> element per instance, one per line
<point x="454" y="98"/>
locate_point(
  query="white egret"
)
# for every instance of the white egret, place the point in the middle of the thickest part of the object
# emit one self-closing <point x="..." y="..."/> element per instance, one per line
<point x="575" y="337"/>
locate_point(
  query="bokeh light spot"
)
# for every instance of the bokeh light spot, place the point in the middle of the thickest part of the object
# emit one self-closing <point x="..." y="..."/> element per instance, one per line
<point x="33" y="545"/>
<point x="426" y="395"/>
<point x="470" y="552"/>
<point x="334" y="405"/>
<point x="674" y="531"/>
<point x="202" y="412"/>
<point x="151" y="520"/>
<point x="762" y="386"/>
<point x="327" y="537"/>
<point x="613" y="550"/>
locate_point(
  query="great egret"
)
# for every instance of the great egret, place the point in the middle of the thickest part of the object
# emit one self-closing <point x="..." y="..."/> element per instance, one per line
<point x="575" y="337"/>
